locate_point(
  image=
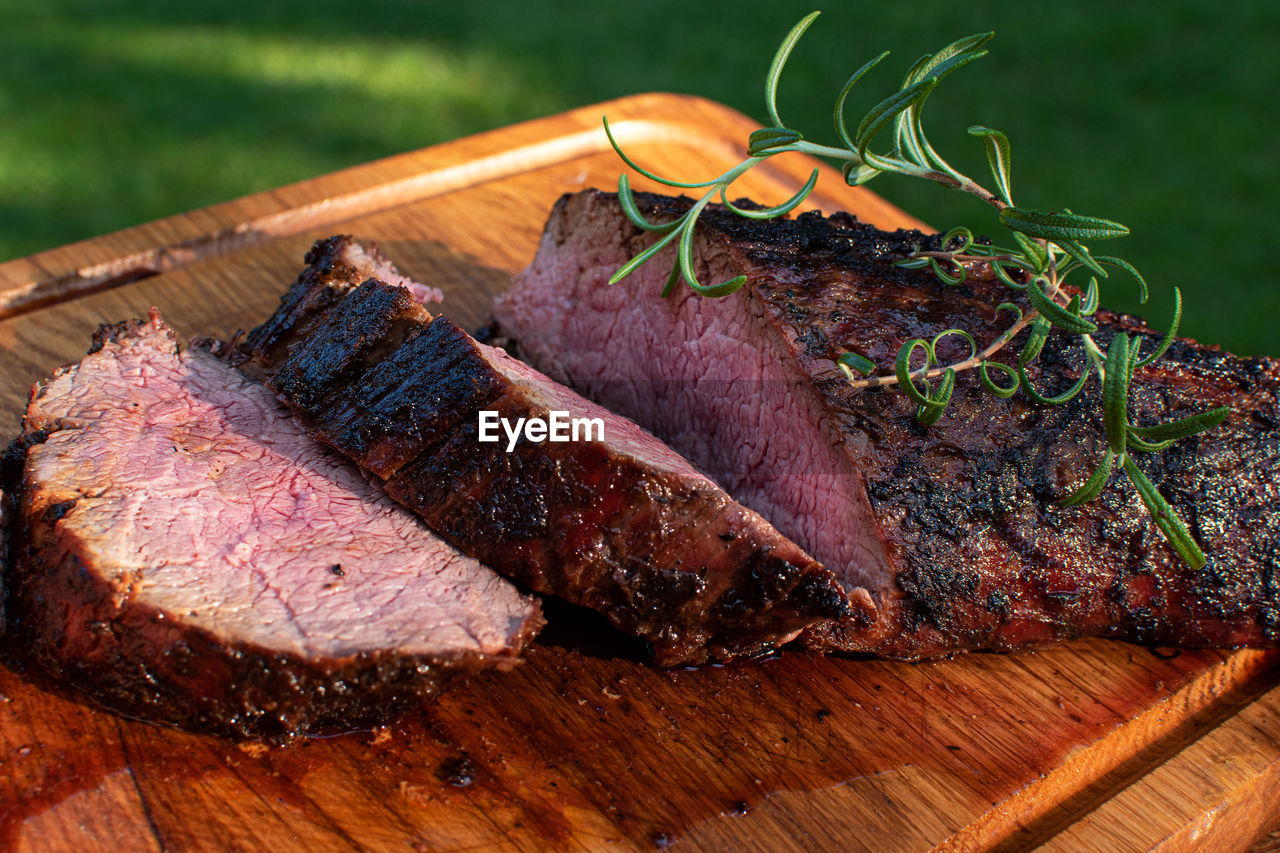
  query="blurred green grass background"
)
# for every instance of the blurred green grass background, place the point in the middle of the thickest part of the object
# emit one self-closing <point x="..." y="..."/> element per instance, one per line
<point x="1161" y="116"/>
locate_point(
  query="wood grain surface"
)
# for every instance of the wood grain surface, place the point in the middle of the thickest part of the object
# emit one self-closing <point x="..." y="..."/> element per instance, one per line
<point x="1091" y="745"/>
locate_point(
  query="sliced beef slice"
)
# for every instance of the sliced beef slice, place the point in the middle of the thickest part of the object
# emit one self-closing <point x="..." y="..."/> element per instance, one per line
<point x="954" y="531"/>
<point x="187" y="554"/>
<point x="617" y="522"/>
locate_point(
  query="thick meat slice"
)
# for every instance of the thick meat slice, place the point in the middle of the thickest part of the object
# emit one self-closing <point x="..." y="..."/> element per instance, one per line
<point x="954" y="530"/>
<point x="188" y="554"/>
<point x="615" y="521"/>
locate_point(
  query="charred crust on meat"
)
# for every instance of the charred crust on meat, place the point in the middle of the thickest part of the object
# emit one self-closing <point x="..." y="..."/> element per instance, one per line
<point x="820" y="597"/>
<point x="345" y="344"/>
<point x="109" y="332"/>
<point x="658" y="596"/>
<point x="55" y="511"/>
<point x="326" y="278"/>
<point x="841" y="235"/>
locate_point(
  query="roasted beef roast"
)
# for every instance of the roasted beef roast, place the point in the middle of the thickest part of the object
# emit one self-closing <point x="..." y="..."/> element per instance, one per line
<point x="615" y="521"/>
<point x="184" y="552"/>
<point x="953" y="531"/>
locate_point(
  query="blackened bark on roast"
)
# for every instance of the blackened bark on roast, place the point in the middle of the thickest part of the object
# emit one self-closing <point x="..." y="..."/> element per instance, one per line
<point x="954" y="531"/>
<point x="185" y="553"/>
<point x="620" y="524"/>
<point x="333" y="266"/>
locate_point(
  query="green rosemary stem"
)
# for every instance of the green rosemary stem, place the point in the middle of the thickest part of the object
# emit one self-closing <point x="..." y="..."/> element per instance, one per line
<point x="845" y="156"/>
<point x="736" y="172"/>
<point x="963" y="184"/>
<point x="828" y="151"/>
<point x="968" y="364"/>
<point x="965" y="259"/>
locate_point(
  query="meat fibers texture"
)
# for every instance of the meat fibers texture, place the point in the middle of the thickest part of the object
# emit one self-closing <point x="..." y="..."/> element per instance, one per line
<point x="617" y="522"/>
<point x="953" y="532"/>
<point x="185" y="553"/>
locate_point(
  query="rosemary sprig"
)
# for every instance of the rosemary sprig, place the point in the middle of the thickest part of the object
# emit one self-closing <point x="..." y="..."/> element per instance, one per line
<point x="1048" y="247"/>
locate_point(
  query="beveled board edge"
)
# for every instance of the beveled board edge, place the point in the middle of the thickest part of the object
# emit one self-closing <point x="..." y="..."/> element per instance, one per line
<point x="166" y="244"/>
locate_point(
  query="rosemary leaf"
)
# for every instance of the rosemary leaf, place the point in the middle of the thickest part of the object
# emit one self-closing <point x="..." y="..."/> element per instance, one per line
<point x="1115" y="393"/>
<point x="1060" y="226"/>
<point x="998" y="267"/>
<point x="1082" y="255"/>
<point x="773" y="212"/>
<point x="650" y="175"/>
<point x="1003" y="392"/>
<point x="1035" y="252"/>
<point x="902" y="368"/>
<point x="673" y="281"/>
<point x="1184" y="428"/>
<point x="648" y="253"/>
<point x="766" y="139"/>
<point x="1058" y="400"/>
<point x="628" y="202"/>
<point x="960" y="333"/>
<point x="914" y="74"/>
<point x="1135" y="347"/>
<point x="947" y="60"/>
<point x="945" y="277"/>
<point x="857" y="361"/>
<point x="1094" y="485"/>
<point x="856" y="174"/>
<point x="961" y="234"/>
<point x="1141" y="445"/>
<point x="885" y="111"/>
<point x="936" y="67"/>
<point x="1035" y="341"/>
<point x="1008" y="334"/>
<point x="779" y="60"/>
<point x="1164" y="516"/>
<point x="1143" y="292"/>
<point x="841" y="129"/>
<point x="1056" y="314"/>
<point x="910" y="136"/>
<point x="1171" y="334"/>
<point x="1090" y="304"/>
<point x="725" y="288"/>
<point x="960" y="52"/>
<point x="999" y="157"/>
<point x="929" y="413"/>
<point x="1013" y="307"/>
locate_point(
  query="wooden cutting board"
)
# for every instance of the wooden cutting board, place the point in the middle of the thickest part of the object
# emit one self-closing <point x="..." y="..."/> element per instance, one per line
<point x="1091" y="745"/>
